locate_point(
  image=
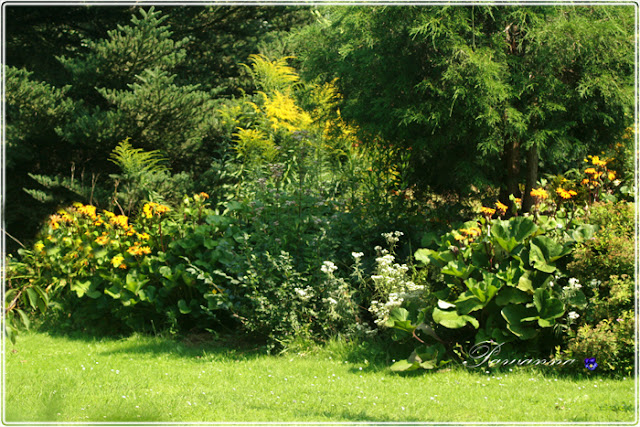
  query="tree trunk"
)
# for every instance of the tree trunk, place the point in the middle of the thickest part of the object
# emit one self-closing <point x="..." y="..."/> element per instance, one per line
<point x="512" y="167"/>
<point x="532" y="177"/>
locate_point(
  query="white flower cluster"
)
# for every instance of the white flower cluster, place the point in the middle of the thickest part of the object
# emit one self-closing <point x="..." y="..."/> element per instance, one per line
<point x="393" y="237"/>
<point x="304" y="294"/>
<point x="573" y="315"/>
<point x="572" y="288"/>
<point x="392" y="280"/>
<point x="328" y="267"/>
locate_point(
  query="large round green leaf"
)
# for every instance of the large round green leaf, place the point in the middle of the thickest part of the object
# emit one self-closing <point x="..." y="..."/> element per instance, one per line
<point x="452" y="320"/>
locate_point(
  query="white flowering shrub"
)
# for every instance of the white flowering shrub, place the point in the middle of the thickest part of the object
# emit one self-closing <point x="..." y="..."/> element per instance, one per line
<point x="392" y="282"/>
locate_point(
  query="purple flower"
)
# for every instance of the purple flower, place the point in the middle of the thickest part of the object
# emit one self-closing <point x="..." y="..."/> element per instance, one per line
<point x="590" y="363"/>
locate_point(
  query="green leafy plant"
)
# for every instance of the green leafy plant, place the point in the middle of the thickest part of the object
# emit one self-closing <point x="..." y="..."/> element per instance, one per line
<point x="498" y="278"/>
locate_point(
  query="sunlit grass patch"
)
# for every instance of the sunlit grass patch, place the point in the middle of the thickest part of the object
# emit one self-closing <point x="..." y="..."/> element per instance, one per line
<point x="144" y="378"/>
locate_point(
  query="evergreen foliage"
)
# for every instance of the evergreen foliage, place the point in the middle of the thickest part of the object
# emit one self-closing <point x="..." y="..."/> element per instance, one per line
<point x="485" y="94"/>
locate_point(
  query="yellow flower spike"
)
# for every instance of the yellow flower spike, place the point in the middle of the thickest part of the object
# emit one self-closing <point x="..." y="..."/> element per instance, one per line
<point x="488" y="212"/>
<point x="565" y="194"/>
<point x="502" y="209"/>
<point x="539" y="193"/>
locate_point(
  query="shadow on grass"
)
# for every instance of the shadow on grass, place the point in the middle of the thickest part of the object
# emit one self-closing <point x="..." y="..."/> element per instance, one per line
<point x="192" y="346"/>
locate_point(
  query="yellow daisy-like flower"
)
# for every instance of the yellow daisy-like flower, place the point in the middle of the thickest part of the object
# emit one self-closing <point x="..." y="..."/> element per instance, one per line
<point x="612" y="175"/>
<point x="539" y="193"/>
<point x="39" y="246"/>
<point x="502" y="208"/>
<point x="131" y="231"/>
<point x="88" y="210"/>
<point x="102" y="240"/>
<point x="471" y="231"/>
<point x="98" y="222"/>
<point x="121" y="220"/>
<point x="585" y="181"/>
<point x="488" y="212"/>
<point x="118" y="261"/>
<point x="136" y="250"/>
<point x="204" y="195"/>
<point x="109" y="214"/>
<point x="151" y="208"/>
<point x="54" y="221"/>
<point x="590" y="171"/>
<point x="597" y="162"/>
<point x="143" y="236"/>
<point x="565" y="194"/>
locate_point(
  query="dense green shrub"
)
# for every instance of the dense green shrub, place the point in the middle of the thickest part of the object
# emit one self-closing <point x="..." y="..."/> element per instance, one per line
<point x="499" y="280"/>
<point x="606" y="265"/>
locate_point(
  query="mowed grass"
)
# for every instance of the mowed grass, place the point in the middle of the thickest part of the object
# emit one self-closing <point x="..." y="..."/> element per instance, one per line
<point x="141" y="378"/>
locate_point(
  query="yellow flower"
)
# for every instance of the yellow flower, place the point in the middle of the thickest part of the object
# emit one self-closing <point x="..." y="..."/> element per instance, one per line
<point x="612" y="175"/>
<point x="471" y="231"/>
<point x="121" y="220"/>
<point x="597" y="162"/>
<point x="565" y="194"/>
<point x="590" y="171"/>
<point x="65" y="217"/>
<point x="136" y="250"/>
<point x="118" y="261"/>
<point x="102" y="240"/>
<point x="54" y="221"/>
<point x="143" y="236"/>
<point x="98" y="222"/>
<point x="488" y="212"/>
<point x="204" y="195"/>
<point x="88" y="210"/>
<point x="39" y="246"/>
<point x="585" y="181"/>
<point x="502" y="209"/>
<point x="539" y="193"/>
<point x="150" y="208"/>
<point x="131" y="231"/>
<point x="109" y="214"/>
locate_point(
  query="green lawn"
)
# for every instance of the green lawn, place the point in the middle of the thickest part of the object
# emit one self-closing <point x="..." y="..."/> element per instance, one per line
<point x="62" y="379"/>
